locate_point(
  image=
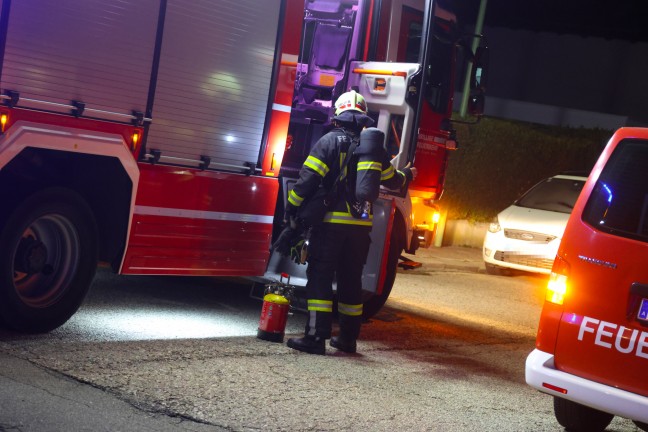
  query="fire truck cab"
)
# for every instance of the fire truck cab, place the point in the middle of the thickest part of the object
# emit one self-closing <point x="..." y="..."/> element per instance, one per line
<point x="405" y="69"/>
<point x="160" y="137"/>
<point x="592" y="346"/>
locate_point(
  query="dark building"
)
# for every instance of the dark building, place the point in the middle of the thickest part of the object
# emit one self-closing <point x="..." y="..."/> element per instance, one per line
<point x="578" y="62"/>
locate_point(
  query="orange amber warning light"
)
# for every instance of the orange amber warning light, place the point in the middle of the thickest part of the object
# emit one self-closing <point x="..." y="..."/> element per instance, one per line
<point x="4" y="119"/>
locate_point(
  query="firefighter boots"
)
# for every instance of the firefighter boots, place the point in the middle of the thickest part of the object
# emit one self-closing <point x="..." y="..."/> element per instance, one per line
<point x="348" y="346"/>
<point x="349" y="332"/>
<point x="308" y="344"/>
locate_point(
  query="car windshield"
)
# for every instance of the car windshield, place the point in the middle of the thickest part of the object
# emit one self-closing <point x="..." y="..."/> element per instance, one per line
<point x="553" y="194"/>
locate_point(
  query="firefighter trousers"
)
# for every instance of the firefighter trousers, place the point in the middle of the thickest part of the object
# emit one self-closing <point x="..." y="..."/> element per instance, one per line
<point x="336" y="251"/>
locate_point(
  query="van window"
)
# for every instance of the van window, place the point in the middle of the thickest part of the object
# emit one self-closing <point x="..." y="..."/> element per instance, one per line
<point x="619" y="202"/>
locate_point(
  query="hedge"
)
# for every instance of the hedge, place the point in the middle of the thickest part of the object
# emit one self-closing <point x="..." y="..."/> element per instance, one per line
<point x="498" y="160"/>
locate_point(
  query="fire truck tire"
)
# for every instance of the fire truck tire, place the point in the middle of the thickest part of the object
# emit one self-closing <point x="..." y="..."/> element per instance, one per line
<point x="376" y="302"/>
<point x="576" y="417"/>
<point x="47" y="261"/>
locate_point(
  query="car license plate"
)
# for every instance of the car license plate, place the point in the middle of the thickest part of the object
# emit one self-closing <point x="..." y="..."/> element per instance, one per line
<point x="643" y="310"/>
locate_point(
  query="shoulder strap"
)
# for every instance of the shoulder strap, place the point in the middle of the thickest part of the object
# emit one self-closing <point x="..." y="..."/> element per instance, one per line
<point x="354" y="144"/>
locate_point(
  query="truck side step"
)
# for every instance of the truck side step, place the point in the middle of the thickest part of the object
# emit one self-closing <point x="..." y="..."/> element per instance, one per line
<point x="408" y="264"/>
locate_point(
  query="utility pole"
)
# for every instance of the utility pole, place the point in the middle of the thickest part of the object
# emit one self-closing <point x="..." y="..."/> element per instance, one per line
<point x="479" y="25"/>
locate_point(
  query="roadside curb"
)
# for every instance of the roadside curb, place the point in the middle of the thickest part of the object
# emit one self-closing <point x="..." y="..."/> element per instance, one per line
<point x="450" y="258"/>
<point x="444" y="267"/>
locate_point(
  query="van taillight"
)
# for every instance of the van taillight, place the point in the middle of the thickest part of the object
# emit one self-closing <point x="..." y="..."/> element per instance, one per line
<point x="557" y="286"/>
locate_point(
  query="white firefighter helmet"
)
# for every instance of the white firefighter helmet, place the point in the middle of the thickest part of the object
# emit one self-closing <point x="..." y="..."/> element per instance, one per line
<point x="350" y="100"/>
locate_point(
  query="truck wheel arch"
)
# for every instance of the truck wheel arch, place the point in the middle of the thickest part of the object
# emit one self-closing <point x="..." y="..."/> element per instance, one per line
<point x="73" y="209"/>
<point x="100" y="168"/>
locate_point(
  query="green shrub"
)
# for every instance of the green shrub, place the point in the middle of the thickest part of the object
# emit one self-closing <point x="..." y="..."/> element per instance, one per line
<point x="498" y="160"/>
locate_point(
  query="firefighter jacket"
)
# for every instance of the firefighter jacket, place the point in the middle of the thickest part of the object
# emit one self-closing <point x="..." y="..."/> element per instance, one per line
<point x="322" y="167"/>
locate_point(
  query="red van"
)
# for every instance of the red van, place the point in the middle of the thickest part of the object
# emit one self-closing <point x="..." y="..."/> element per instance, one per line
<point x="592" y="345"/>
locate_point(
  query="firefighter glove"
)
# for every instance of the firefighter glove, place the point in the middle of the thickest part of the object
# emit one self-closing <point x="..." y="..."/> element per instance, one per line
<point x="409" y="171"/>
<point x="299" y="251"/>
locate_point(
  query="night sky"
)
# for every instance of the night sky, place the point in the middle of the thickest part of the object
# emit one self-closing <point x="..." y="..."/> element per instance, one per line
<point x="612" y="19"/>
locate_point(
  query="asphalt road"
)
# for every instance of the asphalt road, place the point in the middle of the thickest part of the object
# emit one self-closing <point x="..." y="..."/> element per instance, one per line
<point x="159" y="354"/>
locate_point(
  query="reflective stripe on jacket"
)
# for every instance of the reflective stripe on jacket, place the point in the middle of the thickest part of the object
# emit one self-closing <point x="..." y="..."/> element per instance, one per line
<point x="322" y="166"/>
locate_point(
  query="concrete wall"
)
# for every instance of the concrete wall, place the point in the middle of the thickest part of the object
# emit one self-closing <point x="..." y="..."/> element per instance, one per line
<point x="565" y="80"/>
<point x="589" y="74"/>
<point x="464" y="233"/>
<point x="553" y="115"/>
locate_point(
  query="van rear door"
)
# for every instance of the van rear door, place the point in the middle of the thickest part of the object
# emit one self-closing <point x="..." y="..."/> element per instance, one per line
<point x="603" y="332"/>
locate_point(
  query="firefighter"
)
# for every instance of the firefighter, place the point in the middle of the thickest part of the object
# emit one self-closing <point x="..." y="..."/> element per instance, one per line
<point x="340" y="244"/>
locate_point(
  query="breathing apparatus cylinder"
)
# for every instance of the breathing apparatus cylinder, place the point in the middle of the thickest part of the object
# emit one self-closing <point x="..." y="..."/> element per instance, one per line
<point x="274" y="312"/>
<point x="369" y="153"/>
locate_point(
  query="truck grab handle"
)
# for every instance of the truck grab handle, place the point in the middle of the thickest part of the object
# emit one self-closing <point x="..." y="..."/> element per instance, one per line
<point x="379" y="72"/>
<point x="77" y="108"/>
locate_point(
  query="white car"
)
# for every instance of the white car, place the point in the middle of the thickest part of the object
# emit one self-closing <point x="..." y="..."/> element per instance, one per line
<point x="526" y="235"/>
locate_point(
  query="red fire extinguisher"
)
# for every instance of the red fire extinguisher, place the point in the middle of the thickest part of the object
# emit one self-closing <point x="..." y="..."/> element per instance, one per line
<point x="274" y="312"/>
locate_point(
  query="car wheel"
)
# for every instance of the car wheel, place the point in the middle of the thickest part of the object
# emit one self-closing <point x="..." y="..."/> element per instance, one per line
<point x="492" y="269"/>
<point x="47" y="260"/>
<point x="576" y="417"/>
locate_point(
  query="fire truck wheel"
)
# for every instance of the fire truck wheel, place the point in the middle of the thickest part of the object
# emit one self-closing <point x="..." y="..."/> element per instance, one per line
<point x="376" y="302"/>
<point x="47" y="260"/>
<point x="576" y="417"/>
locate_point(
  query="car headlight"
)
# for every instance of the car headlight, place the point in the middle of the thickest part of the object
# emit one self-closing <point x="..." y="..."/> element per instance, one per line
<point x="494" y="226"/>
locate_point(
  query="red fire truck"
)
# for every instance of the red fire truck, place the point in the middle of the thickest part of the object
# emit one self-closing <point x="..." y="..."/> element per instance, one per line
<point x="160" y="137"/>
